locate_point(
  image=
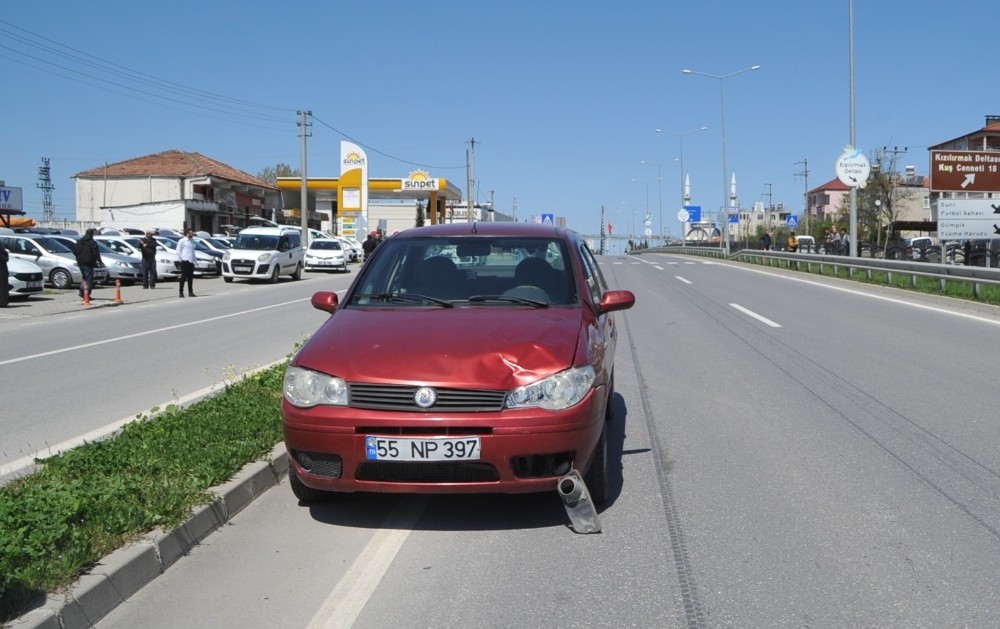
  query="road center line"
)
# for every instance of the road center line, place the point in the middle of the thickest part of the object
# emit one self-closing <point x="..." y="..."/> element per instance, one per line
<point x="756" y="316"/>
<point x="352" y="592"/>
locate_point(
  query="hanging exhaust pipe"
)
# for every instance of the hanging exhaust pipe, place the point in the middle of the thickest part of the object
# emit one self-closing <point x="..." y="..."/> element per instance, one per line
<point x="579" y="507"/>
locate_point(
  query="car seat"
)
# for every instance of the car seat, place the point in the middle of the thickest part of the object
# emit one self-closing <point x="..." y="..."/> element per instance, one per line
<point x="439" y="277"/>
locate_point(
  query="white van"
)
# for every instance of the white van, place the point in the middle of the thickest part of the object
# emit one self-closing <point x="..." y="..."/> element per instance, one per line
<point x="264" y="253"/>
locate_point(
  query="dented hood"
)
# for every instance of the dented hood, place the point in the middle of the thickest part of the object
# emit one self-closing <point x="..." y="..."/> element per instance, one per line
<point x="482" y="348"/>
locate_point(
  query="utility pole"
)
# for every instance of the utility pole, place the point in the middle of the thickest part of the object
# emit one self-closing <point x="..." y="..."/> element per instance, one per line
<point x="805" y="175"/>
<point x="304" y="201"/>
<point x="45" y="184"/>
<point x="471" y="168"/>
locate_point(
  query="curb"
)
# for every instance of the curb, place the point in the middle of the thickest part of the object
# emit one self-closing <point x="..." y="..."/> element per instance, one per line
<point x="127" y="570"/>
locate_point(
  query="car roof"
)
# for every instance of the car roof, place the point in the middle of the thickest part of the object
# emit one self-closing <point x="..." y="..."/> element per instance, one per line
<point x="537" y="230"/>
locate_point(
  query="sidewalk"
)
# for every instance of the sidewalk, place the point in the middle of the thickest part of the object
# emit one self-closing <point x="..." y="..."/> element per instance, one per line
<point x="52" y="301"/>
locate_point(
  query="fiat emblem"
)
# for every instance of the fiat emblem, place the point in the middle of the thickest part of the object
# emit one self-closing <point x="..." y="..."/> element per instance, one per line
<point x="425" y="397"/>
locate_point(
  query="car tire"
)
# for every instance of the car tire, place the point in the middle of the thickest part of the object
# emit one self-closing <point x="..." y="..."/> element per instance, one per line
<point x="61" y="278"/>
<point x="274" y="274"/>
<point x="303" y="493"/>
<point x="597" y="476"/>
<point x="297" y="275"/>
<point x="227" y="280"/>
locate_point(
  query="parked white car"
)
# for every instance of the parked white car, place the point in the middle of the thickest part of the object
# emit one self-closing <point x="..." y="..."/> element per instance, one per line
<point x="326" y="254"/>
<point x="204" y="265"/>
<point x="24" y="278"/>
<point x="264" y="253"/>
<point x="167" y="263"/>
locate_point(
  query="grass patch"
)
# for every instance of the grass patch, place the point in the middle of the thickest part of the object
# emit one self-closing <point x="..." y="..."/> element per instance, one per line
<point x="88" y="502"/>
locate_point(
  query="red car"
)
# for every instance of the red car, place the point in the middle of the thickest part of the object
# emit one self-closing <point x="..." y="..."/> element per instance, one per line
<point x="465" y="358"/>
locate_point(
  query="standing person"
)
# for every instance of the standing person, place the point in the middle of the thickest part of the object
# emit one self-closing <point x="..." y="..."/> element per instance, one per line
<point x="88" y="256"/>
<point x="148" y="248"/>
<point x="368" y="246"/>
<point x="793" y="243"/>
<point x="766" y="241"/>
<point x="4" y="277"/>
<point x="185" y="251"/>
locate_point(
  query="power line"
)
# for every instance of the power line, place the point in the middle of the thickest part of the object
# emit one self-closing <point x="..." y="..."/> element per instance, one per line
<point x="383" y="154"/>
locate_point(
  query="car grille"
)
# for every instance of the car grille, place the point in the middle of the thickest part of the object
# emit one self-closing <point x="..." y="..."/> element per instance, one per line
<point x="425" y="472"/>
<point x="242" y="262"/>
<point x="28" y="277"/>
<point x="386" y="397"/>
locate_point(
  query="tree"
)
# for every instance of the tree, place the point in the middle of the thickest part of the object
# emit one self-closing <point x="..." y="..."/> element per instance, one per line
<point x="270" y="174"/>
<point x="880" y="202"/>
<point x="420" y="215"/>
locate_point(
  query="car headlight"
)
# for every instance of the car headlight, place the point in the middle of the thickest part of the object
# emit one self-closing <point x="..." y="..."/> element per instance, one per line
<point x="226" y="256"/>
<point x="555" y="393"/>
<point x="306" y="388"/>
<point x="264" y="257"/>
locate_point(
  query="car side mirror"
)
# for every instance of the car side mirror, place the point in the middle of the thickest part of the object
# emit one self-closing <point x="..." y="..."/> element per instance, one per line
<point x="325" y="300"/>
<point x="616" y="300"/>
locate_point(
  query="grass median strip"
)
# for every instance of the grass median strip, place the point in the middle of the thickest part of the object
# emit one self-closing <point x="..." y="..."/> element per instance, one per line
<point x="88" y="502"/>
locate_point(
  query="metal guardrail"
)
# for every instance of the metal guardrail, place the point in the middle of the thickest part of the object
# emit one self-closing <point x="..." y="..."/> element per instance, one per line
<point x="943" y="273"/>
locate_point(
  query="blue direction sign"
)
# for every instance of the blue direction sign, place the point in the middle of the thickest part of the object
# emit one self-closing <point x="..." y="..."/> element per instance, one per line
<point x="694" y="213"/>
<point x="792" y="221"/>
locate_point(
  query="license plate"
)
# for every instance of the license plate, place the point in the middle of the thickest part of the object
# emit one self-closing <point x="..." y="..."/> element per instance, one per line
<point x="432" y="449"/>
<point x="33" y="284"/>
<point x="243" y="269"/>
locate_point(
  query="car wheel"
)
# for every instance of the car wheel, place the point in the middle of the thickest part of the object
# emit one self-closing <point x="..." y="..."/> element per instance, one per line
<point x="61" y="278"/>
<point x="227" y="280"/>
<point x="274" y="275"/>
<point x="303" y="493"/>
<point x="597" y="475"/>
<point x="297" y="275"/>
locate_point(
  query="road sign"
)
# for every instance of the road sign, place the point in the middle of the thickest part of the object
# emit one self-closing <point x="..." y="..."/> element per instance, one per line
<point x="965" y="171"/>
<point x="683" y="215"/>
<point x="548" y="219"/>
<point x="10" y="199"/>
<point x="968" y="219"/>
<point x="792" y="221"/>
<point x="853" y="168"/>
<point x="694" y="213"/>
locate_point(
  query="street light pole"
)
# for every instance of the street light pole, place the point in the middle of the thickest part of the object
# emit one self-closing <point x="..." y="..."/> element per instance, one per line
<point x="680" y="136"/>
<point x="722" y="100"/>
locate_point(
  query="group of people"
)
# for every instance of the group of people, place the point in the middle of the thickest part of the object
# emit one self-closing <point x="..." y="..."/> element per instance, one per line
<point x="371" y="243"/>
<point x="837" y="242"/>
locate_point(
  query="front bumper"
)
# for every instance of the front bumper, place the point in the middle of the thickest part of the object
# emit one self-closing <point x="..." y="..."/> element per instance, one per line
<point x="522" y="451"/>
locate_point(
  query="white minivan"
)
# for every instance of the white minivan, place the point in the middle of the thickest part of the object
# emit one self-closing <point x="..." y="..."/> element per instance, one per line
<point x="264" y="253"/>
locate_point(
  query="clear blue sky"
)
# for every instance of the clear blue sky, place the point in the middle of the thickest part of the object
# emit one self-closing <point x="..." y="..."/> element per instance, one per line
<point x="562" y="98"/>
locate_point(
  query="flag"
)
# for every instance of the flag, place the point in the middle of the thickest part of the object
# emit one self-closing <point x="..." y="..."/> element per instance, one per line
<point x="610" y="228"/>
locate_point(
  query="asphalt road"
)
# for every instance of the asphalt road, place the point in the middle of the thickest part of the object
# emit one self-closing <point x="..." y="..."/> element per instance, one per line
<point x="792" y="453"/>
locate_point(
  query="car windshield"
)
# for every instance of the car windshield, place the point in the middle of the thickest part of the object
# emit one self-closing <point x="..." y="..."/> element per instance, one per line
<point x="256" y="242"/>
<point x="52" y="245"/>
<point x="468" y="271"/>
<point x="326" y="244"/>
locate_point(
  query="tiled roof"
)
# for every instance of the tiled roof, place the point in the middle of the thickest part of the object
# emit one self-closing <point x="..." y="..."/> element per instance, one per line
<point x="173" y="163"/>
<point x="833" y="184"/>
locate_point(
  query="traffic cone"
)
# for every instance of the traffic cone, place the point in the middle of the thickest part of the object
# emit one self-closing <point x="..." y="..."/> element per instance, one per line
<point x="118" y="292"/>
<point x="86" y="294"/>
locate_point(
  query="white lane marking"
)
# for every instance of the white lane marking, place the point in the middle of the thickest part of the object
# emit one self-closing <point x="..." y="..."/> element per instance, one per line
<point x="682" y="279"/>
<point x="893" y="300"/>
<point x="756" y="316"/>
<point x="657" y="267"/>
<point x="351" y="594"/>
<point x="146" y="333"/>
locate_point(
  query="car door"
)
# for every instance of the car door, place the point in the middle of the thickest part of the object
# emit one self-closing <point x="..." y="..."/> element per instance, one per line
<point x="25" y="249"/>
<point x="603" y="342"/>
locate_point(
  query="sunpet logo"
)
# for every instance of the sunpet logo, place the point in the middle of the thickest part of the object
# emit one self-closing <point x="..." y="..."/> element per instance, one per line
<point x="354" y="159"/>
<point x="420" y="180"/>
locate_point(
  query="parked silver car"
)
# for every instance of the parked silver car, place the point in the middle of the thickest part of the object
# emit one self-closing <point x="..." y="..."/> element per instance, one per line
<point x="127" y="268"/>
<point x="54" y="257"/>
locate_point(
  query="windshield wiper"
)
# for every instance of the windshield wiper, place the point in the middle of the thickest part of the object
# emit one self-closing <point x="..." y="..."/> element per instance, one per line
<point x="408" y="297"/>
<point x="510" y="299"/>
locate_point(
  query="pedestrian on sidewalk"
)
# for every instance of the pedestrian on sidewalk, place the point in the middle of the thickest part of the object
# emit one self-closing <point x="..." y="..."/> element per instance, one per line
<point x="4" y="277"/>
<point x="148" y="247"/>
<point x="88" y="257"/>
<point x="186" y="252"/>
